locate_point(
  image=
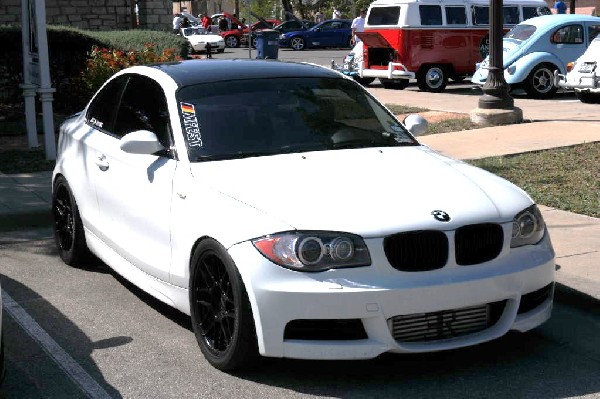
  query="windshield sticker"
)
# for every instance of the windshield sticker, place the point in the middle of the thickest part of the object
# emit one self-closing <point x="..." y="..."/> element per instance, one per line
<point x="191" y="125"/>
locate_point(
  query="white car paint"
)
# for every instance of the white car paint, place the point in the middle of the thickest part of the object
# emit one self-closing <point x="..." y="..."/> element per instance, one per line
<point x="198" y="38"/>
<point x="144" y="214"/>
<point x="584" y="75"/>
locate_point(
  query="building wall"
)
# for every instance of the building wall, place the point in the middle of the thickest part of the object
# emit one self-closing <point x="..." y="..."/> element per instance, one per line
<point x="97" y="14"/>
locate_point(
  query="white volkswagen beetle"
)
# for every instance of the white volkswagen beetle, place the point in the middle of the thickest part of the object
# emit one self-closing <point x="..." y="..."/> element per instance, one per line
<point x="583" y="74"/>
<point x="310" y="225"/>
<point x="199" y="39"/>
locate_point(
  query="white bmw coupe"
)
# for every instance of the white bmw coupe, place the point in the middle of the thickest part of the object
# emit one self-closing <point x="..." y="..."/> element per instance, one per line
<point x="291" y="215"/>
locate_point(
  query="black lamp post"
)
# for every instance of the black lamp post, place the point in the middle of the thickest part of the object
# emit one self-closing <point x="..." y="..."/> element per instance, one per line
<point x="495" y="90"/>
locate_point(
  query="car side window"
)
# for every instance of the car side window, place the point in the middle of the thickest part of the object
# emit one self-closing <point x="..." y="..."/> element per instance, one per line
<point x="384" y="16"/>
<point x="103" y="108"/>
<point x="481" y="15"/>
<point x="571" y="34"/>
<point x="143" y="107"/>
<point x="593" y="31"/>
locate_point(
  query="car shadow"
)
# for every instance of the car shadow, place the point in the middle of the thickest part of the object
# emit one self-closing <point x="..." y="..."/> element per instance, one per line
<point x="30" y="370"/>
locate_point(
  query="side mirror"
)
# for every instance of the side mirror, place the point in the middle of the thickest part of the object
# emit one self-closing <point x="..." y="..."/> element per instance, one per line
<point x="140" y="142"/>
<point x="416" y="124"/>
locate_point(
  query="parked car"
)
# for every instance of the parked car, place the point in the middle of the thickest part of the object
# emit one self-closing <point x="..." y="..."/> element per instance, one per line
<point x="314" y="227"/>
<point x="198" y="40"/>
<point x="534" y="49"/>
<point x="332" y="33"/>
<point x="583" y="75"/>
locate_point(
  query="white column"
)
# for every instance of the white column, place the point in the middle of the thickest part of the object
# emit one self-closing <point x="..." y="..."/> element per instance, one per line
<point x="29" y="88"/>
<point x="45" y="91"/>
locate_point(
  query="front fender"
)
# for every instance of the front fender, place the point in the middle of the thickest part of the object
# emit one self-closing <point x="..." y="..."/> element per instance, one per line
<point x="520" y="69"/>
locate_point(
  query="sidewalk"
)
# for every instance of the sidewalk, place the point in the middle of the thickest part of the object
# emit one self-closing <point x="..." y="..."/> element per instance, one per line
<point x="25" y="199"/>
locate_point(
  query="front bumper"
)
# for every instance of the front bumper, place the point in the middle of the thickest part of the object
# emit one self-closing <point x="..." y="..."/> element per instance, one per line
<point x="577" y="81"/>
<point x="377" y="293"/>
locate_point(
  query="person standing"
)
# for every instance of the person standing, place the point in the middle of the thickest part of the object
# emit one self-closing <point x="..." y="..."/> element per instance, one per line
<point x="223" y="25"/>
<point x="177" y="23"/>
<point x="206" y="22"/>
<point x="560" y="7"/>
<point x="358" y="25"/>
<point x="336" y="14"/>
<point x="319" y="17"/>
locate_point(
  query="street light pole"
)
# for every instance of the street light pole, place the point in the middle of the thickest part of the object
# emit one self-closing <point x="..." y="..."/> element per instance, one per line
<point x="495" y="90"/>
<point x="496" y="106"/>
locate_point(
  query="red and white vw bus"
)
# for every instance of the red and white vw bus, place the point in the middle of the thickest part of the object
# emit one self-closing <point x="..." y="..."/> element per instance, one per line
<point x="431" y="40"/>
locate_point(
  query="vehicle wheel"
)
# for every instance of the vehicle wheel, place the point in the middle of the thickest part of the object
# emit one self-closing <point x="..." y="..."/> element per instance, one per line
<point x="297" y="43"/>
<point x="68" y="228"/>
<point x="587" y="97"/>
<point x="221" y="50"/>
<point x="364" y="81"/>
<point x="395" y="84"/>
<point x="349" y="42"/>
<point x="232" y="41"/>
<point x="540" y="82"/>
<point x="220" y="309"/>
<point x="432" y="78"/>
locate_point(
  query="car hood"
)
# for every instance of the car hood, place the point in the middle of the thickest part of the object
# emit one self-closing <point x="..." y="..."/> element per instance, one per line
<point x="371" y="192"/>
<point x="204" y="38"/>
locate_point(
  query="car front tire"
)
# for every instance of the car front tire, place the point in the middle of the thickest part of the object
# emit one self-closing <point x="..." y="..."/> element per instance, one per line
<point x="69" y="236"/>
<point x="220" y="309"/>
<point x="432" y="78"/>
<point x="297" y="43"/>
<point x="587" y="97"/>
<point x="540" y="82"/>
<point x="232" y="41"/>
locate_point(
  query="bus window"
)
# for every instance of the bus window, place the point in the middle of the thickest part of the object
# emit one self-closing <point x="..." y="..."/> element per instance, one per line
<point x="511" y="15"/>
<point x="481" y="15"/>
<point x="456" y="16"/>
<point x="384" y="16"/>
<point x="430" y="15"/>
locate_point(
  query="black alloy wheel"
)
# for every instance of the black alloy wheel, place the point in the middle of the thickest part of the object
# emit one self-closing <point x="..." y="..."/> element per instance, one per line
<point x="220" y="309"/>
<point x="69" y="236"/>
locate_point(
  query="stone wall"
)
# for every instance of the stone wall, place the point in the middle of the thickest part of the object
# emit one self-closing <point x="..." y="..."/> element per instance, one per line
<point x="97" y="14"/>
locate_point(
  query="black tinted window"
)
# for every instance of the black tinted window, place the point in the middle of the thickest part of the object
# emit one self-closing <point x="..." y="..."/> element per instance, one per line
<point x="572" y="34"/>
<point x="384" y="16"/>
<point x="102" y="110"/>
<point x="481" y="15"/>
<point x="456" y="16"/>
<point x="286" y="115"/>
<point x="430" y="15"/>
<point x="143" y="107"/>
<point x="511" y="15"/>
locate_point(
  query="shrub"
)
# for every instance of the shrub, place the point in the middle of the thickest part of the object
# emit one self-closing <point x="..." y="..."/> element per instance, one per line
<point x="103" y="63"/>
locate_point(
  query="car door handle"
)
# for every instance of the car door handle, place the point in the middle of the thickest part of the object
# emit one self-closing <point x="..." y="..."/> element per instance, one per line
<point x="102" y="162"/>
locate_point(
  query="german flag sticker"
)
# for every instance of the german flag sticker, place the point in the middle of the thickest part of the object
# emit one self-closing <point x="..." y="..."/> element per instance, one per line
<point x="187" y="108"/>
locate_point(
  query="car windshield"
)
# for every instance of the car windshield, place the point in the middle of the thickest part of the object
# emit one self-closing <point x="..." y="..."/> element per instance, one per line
<point x="520" y="32"/>
<point x="193" y="31"/>
<point x="261" y="117"/>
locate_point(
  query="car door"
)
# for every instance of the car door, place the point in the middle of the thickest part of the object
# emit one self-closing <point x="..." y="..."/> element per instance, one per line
<point x="99" y="119"/>
<point x="134" y="191"/>
<point x="331" y="34"/>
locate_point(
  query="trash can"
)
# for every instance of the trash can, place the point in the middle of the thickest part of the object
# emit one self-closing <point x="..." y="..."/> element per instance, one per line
<point x="267" y="44"/>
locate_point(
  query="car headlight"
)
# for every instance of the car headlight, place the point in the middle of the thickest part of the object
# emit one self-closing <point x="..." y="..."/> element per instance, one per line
<point x="283" y="36"/>
<point x="528" y="227"/>
<point x="314" y="251"/>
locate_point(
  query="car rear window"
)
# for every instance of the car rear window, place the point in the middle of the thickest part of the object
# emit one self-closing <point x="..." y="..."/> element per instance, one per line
<point x="383" y="16"/>
<point x="520" y="32"/>
<point x="259" y="117"/>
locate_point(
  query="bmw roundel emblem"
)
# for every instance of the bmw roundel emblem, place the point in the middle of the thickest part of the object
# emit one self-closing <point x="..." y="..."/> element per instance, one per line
<point x="441" y="216"/>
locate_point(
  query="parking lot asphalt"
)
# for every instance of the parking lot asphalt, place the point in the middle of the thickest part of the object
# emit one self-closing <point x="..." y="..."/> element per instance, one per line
<point x="25" y="199"/>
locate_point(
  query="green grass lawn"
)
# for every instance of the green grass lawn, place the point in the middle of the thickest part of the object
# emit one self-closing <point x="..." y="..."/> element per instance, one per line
<point x="566" y="178"/>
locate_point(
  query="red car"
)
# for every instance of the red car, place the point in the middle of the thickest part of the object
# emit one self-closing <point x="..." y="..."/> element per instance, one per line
<point x="235" y="37"/>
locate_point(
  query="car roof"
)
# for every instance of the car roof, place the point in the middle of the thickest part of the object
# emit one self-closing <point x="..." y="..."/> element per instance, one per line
<point x="191" y="72"/>
<point x="555" y="19"/>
